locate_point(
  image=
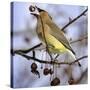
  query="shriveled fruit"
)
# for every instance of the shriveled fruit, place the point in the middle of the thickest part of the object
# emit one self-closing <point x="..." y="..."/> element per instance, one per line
<point x="46" y="71"/>
<point x="34" y="66"/>
<point x="55" y="81"/>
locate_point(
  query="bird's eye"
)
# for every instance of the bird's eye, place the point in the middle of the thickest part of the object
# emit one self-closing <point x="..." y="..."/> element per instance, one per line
<point x="32" y="8"/>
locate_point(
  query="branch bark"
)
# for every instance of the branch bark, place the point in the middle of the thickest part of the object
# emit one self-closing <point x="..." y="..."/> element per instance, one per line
<point x="48" y="62"/>
<point x="82" y="14"/>
<point x="75" y="42"/>
<point x="79" y="40"/>
<point x="27" y="50"/>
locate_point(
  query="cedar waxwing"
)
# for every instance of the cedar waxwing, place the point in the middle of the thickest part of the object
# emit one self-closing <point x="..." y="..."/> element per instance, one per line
<point x="55" y="38"/>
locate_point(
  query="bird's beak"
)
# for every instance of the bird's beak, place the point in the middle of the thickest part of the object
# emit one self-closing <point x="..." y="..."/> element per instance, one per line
<point x="34" y="14"/>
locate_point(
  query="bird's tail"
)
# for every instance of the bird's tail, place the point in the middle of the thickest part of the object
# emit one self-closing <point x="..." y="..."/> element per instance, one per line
<point x="73" y="57"/>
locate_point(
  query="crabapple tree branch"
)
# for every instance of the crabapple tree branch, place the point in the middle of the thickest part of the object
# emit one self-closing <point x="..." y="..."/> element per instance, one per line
<point x="49" y="62"/>
<point x="73" y="20"/>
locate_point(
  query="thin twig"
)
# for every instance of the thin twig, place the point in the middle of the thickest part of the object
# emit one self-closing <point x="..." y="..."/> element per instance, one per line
<point x="78" y="59"/>
<point x="83" y="13"/>
<point x="34" y="47"/>
<point x="79" y="40"/>
<point x="49" y="62"/>
<point x="72" y="21"/>
<point x="27" y="50"/>
<point x="74" y="42"/>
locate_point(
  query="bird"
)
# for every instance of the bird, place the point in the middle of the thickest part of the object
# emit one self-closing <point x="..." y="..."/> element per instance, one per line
<point x="51" y="35"/>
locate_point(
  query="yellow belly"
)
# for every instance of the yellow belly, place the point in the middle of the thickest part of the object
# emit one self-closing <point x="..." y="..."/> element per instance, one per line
<point x="55" y="46"/>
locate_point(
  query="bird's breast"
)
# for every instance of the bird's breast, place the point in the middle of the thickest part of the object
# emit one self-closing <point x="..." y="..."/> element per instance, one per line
<point x="42" y="31"/>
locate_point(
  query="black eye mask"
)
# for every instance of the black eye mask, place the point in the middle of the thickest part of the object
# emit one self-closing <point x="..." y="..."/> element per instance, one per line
<point x="40" y="10"/>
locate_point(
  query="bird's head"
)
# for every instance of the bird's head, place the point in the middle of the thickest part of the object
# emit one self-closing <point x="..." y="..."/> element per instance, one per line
<point x="36" y="11"/>
<point x="33" y="11"/>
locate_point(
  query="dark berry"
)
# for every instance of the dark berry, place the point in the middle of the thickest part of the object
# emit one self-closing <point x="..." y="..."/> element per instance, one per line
<point x="46" y="71"/>
<point x="55" y="81"/>
<point x="33" y="66"/>
<point x="71" y="81"/>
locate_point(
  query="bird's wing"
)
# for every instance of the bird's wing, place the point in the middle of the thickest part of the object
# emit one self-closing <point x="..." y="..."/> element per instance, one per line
<point x="59" y="35"/>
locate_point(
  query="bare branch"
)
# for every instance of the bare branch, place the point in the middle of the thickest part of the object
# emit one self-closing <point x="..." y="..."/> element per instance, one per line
<point x="78" y="59"/>
<point x="75" y="42"/>
<point x="49" y="62"/>
<point x="28" y="50"/>
<point x="72" y="21"/>
<point x="79" y="40"/>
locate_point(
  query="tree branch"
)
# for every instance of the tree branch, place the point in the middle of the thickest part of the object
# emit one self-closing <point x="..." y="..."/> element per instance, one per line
<point x="79" y="40"/>
<point x="78" y="59"/>
<point x="75" y="42"/>
<point x="48" y="62"/>
<point x="34" y="47"/>
<point x="71" y="21"/>
<point x="27" y="50"/>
